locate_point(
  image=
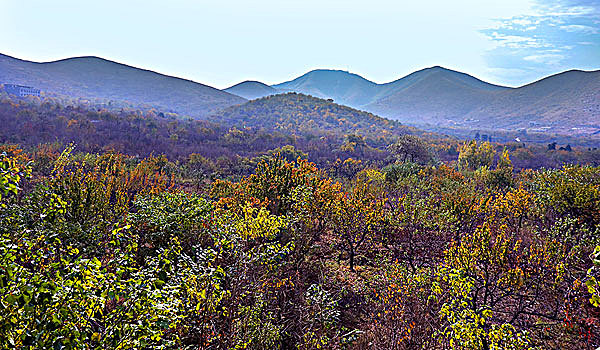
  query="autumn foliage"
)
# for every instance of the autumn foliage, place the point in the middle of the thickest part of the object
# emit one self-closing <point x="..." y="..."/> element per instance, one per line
<point x="109" y="251"/>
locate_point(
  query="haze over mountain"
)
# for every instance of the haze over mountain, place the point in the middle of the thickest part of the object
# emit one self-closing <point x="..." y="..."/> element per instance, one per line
<point x="94" y="77"/>
<point x="251" y="90"/>
<point x="355" y="91"/>
<point x="566" y="103"/>
<point x="433" y="95"/>
<point x="431" y="98"/>
<point x="344" y="87"/>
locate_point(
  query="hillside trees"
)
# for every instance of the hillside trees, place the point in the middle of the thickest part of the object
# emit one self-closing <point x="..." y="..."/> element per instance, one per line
<point x="357" y="219"/>
<point x="473" y="156"/>
<point x="410" y="148"/>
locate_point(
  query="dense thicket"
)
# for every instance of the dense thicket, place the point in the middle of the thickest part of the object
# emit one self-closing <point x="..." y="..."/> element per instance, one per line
<point x="108" y="251"/>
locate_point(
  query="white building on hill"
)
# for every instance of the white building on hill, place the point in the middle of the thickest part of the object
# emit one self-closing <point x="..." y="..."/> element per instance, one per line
<point x="21" y="90"/>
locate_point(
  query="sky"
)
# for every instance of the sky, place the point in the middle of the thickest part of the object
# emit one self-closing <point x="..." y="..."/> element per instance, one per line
<point x="223" y="42"/>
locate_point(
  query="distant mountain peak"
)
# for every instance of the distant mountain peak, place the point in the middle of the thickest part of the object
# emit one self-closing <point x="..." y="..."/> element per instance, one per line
<point x="251" y="89"/>
<point x="81" y="58"/>
<point x="248" y="82"/>
<point x="344" y="87"/>
<point x="86" y="60"/>
<point x="355" y="91"/>
<point x="329" y="71"/>
<point x="317" y="70"/>
<point x="325" y="73"/>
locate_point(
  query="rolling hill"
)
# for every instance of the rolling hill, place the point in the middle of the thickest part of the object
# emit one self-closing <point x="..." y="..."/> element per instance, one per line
<point x="357" y="92"/>
<point x="434" y="95"/>
<point x="93" y="77"/>
<point x="565" y="103"/>
<point x="568" y="103"/>
<point x="300" y="114"/>
<point x="251" y="90"/>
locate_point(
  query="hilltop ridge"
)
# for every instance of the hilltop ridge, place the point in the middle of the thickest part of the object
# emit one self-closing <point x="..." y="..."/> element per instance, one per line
<point x="95" y="77"/>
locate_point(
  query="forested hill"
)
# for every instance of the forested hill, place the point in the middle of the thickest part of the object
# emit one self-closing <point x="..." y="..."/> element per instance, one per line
<point x="97" y="78"/>
<point x="302" y="114"/>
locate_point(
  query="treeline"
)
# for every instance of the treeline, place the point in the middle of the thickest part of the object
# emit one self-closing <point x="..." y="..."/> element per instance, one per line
<point x="110" y="251"/>
<point x="246" y="132"/>
<point x="142" y="134"/>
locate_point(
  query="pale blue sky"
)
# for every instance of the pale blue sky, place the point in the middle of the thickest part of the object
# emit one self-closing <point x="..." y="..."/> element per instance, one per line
<point x="221" y="42"/>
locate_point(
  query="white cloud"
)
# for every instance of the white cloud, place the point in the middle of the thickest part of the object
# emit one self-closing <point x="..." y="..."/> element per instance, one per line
<point x="549" y="59"/>
<point x="517" y="41"/>
<point x="580" y="29"/>
<point x="554" y="35"/>
<point x="522" y="22"/>
<point x="562" y="9"/>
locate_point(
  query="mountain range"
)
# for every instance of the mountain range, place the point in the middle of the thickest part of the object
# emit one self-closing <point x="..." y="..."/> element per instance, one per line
<point x="565" y="103"/>
<point x="97" y="78"/>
